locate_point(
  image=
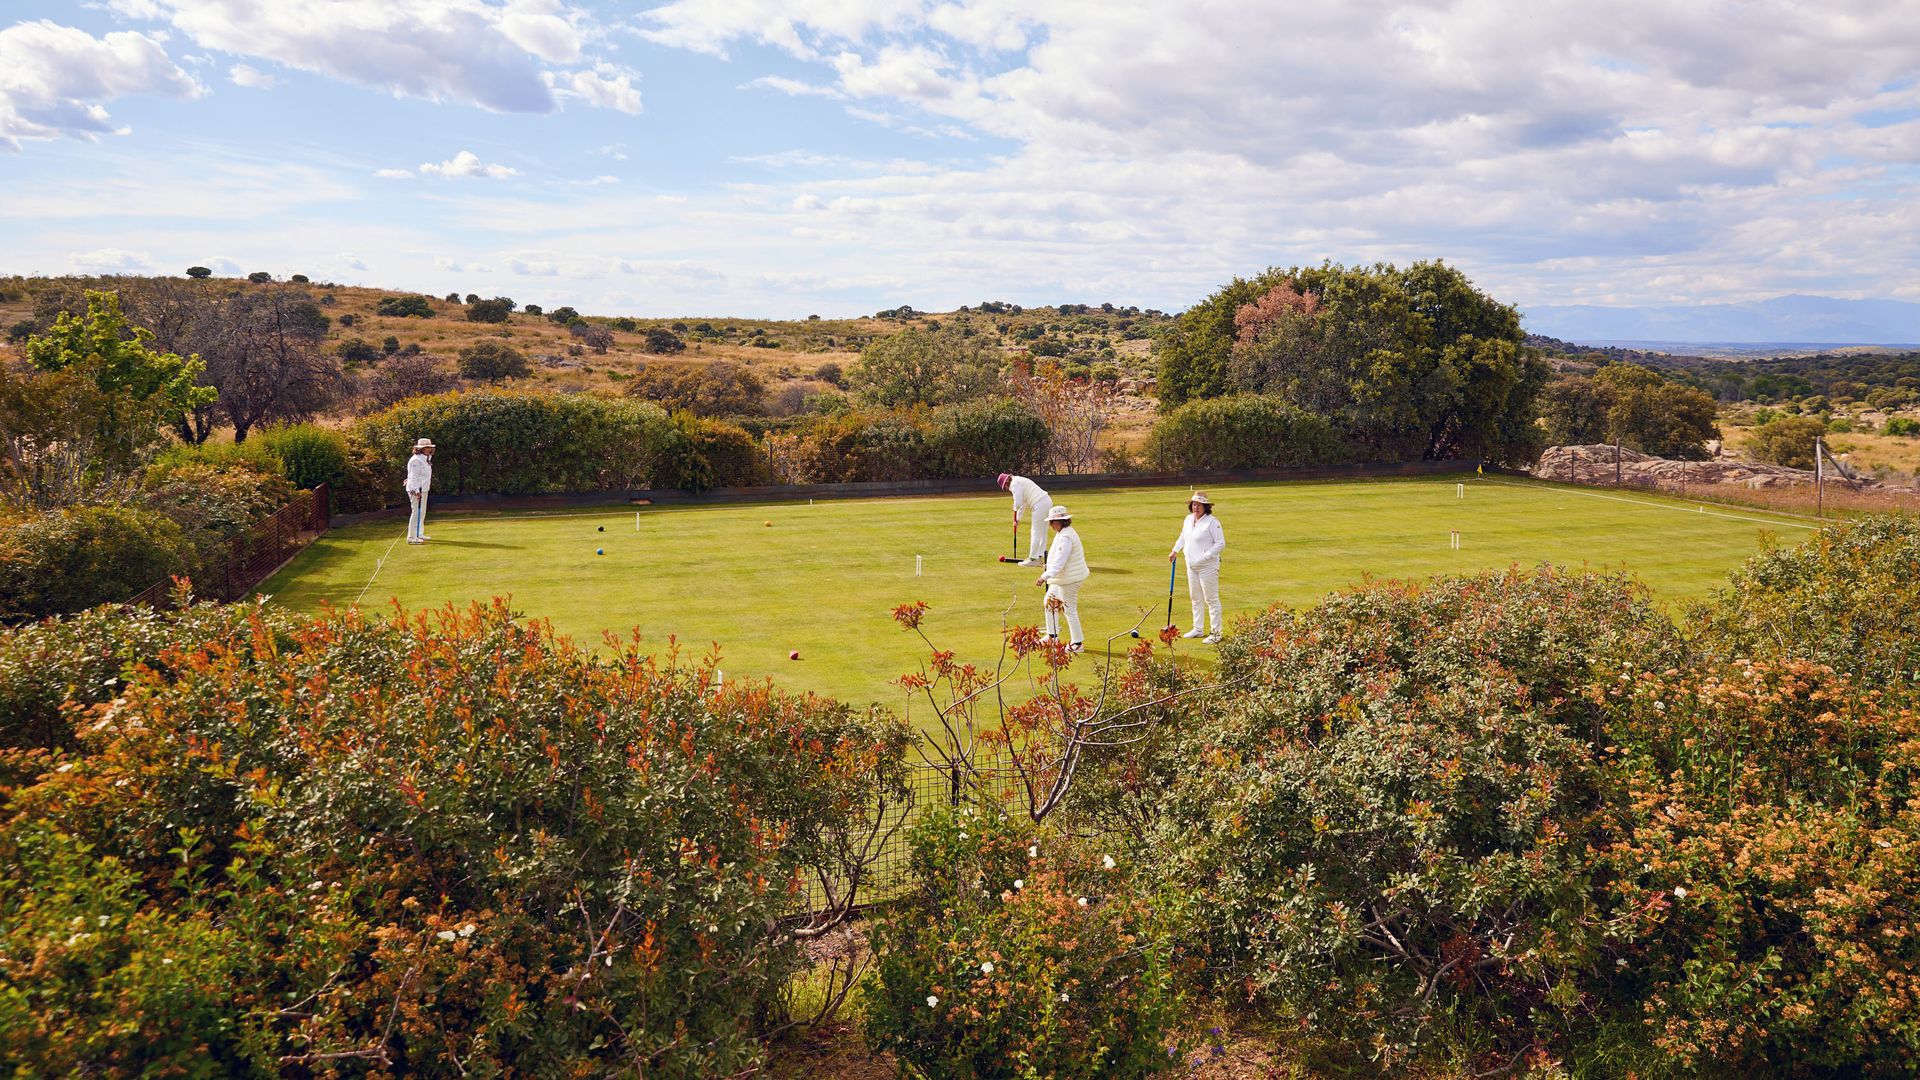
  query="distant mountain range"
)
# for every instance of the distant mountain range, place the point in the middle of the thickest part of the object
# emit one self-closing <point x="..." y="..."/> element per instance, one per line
<point x="1807" y="322"/>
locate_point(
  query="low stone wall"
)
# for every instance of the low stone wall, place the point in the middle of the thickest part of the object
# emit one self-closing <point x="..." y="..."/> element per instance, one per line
<point x="1595" y="464"/>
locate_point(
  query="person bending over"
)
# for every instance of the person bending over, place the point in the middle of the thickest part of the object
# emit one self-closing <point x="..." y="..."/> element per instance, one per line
<point x="1034" y="500"/>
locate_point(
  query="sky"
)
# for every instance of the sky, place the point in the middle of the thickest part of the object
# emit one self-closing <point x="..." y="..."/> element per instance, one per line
<point x="780" y="158"/>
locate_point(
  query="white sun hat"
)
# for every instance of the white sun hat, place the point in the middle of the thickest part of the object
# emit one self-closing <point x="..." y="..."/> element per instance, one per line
<point x="423" y="444"/>
<point x="1059" y="513"/>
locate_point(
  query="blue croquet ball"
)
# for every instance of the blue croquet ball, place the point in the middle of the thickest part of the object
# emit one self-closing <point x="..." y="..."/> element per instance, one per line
<point x="599" y="551"/>
<point x="601" y="528"/>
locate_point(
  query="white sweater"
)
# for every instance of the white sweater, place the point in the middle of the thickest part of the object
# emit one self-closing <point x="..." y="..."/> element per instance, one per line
<point x="1203" y="540"/>
<point x="1066" y="559"/>
<point x="419" y="473"/>
<point x="1029" y="496"/>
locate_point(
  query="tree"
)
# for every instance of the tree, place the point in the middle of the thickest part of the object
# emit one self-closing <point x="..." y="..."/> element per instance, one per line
<point x="390" y="346"/>
<point x="119" y="358"/>
<point x="1411" y="362"/>
<point x="405" y="376"/>
<point x="265" y="353"/>
<point x="1786" y="441"/>
<point x="563" y="315"/>
<point x="493" y="361"/>
<point x="359" y="351"/>
<point x="198" y="272"/>
<point x="722" y="388"/>
<point x="473" y="298"/>
<point x="299" y="279"/>
<point x="661" y="342"/>
<point x="496" y="310"/>
<point x="260" y="277"/>
<point x="595" y="337"/>
<point x="534" y="310"/>
<point x="1631" y="405"/>
<point x="921" y="367"/>
<point x="1655" y="415"/>
<point x="419" y="307"/>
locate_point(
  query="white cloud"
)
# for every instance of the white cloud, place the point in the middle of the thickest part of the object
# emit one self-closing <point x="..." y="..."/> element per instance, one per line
<point x="606" y="86"/>
<point x="793" y="87"/>
<point x="466" y="165"/>
<point x="247" y="75"/>
<point x="394" y="174"/>
<point x="54" y="79"/>
<point x="112" y="261"/>
<point x="351" y="261"/>
<point x="477" y="52"/>
<point x="597" y="181"/>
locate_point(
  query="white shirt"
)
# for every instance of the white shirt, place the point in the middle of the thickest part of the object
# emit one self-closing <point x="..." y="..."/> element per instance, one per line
<point x="1066" y="559"/>
<point x="1203" y="540"/>
<point x="1028" y="495"/>
<point x="419" y="472"/>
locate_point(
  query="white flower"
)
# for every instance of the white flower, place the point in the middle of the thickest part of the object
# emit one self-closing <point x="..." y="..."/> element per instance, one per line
<point x="609" y="959"/>
<point x="166" y="960"/>
<point x="1108" y="862"/>
<point x="1019" y="883"/>
<point x="1063" y="997"/>
<point x="986" y="968"/>
<point x="1883" y="843"/>
<point x="713" y="928"/>
<point x="446" y="935"/>
<point x="467" y="931"/>
<point x="1033" y="851"/>
<point x="1660" y="706"/>
<point x="1622" y="962"/>
<point x="932" y="1002"/>
<point x="1680" y="891"/>
<point x="68" y="767"/>
<point x="963" y="836"/>
<point x="1083" y="901"/>
<point x="315" y="887"/>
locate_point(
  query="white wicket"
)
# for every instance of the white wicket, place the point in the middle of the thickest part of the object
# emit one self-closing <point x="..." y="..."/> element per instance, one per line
<point x="916" y="566"/>
<point x="1459" y="491"/>
<point x="1453" y="539"/>
<point x="636" y="521"/>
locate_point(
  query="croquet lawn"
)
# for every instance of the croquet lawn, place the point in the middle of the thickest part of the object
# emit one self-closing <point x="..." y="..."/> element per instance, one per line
<point x="761" y="580"/>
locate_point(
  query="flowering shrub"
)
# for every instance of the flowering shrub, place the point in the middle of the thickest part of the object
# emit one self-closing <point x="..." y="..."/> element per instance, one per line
<point x="1386" y="821"/>
<point x="1763" y="875"/>
<point x="433" y="844"/>
<point x="1848" y="598"/>
<point x="1019" y="953"/>
<point x="75" y="558"/>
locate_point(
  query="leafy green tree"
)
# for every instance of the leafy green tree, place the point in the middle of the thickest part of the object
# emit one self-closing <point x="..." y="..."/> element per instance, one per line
<point x="1787" y="441"/>
<point x="198" y="272"/>
<point x="1194" y="352"/>
<point x="534" y="310"/>
<point x="118" y="357"/>
<point x="493" y="361"/>
<point x="661" y="342"/>
<point x="417" y="307"/>
<point x="563" y="315"/>
<point x="260" y="277"/>
<point x="926" y="367"/>
<point x="497" y="310"/>
<point x="1634" y="406"/>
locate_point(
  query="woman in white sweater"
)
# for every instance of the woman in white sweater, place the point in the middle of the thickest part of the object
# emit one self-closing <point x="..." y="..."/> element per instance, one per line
<point x="1203" y="540"/>
<point x="1066" y="569"/>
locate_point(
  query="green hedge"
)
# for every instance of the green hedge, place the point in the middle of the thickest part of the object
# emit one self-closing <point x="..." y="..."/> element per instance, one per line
<point x="82" y="556"/>
<point x="310" y="455"/>
<point x="1245" y="431"/>
<point x="520" y="442"/>
<point x="983" y="438"/>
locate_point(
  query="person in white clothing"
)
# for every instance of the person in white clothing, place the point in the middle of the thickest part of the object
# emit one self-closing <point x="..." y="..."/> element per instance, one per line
<point x="1202" y="539"/>
<point x="1066" y="569"/>
<point x="1035" y="501"/>
<point x="419" y="479"/>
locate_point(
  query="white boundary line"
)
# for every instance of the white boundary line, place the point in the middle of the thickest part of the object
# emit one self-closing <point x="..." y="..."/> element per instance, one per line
<point x="376" y="571"/>
<point x="1652" y="505"/>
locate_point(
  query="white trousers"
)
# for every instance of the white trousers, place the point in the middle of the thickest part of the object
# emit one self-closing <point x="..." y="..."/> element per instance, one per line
<point x="1203" y="588"/>
<point x="1037" y="531"/>
<point x="1069" y="597"/>
<point x="417" y="519"/>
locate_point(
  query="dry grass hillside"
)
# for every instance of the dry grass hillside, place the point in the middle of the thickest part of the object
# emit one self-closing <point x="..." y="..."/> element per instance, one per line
<point x="790" y="356"/>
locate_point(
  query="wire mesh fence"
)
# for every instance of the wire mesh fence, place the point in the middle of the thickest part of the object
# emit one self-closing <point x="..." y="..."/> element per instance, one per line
<point x="236" y="565"/>
<point x="928" y="786"/>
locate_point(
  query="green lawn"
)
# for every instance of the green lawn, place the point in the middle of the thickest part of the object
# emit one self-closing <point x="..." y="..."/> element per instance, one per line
<point x="823" y="578"/>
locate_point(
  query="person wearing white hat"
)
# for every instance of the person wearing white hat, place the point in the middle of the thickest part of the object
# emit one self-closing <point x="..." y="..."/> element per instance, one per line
<point x="1202" y="539"/>
<point x="1066" y="569"/>
<point x="1033" y="499"/>
<point x="419" y="479"/>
